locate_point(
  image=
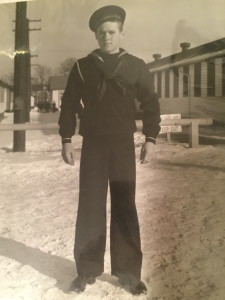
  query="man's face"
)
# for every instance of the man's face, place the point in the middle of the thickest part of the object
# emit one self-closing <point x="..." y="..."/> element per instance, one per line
<point x="109" y="36"/>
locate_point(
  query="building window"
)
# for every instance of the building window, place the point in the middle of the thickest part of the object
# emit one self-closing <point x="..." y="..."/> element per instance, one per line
<point x="211" y="78"/>
<point x="186" y="80"/>
<point x="167" y="83"/>
<point x="159" y="88"/>
<point x="197" y="80"/>
<point x="223" y="76"/>
<point x="176" y="82"/>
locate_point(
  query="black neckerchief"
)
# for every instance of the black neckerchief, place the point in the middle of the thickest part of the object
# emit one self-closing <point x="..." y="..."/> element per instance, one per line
<point x="109" y="76"/>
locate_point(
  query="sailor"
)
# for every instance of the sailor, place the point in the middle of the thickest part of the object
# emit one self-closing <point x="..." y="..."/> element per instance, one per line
<point x="105" y="85"/>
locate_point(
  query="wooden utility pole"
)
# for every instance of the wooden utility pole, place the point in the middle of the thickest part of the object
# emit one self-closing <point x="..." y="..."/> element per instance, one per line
<point x="21" y="75"/>
<point x="28" y="68"/>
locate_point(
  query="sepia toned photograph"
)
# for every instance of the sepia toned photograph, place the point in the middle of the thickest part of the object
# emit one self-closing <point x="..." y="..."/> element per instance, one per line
<point x="112" y="149"/>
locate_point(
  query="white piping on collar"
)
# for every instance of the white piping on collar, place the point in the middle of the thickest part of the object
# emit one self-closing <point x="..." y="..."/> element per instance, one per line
<point x="100" y="58"/>
<point x="79" y="71"/>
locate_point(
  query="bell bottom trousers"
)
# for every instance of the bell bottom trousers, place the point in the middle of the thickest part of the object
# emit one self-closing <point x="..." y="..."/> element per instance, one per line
<point x="108" y="161"/>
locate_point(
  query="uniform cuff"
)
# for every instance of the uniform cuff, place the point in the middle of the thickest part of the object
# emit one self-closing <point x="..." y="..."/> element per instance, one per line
<point x="66" y="140"/>
<point x="150" y="139"/>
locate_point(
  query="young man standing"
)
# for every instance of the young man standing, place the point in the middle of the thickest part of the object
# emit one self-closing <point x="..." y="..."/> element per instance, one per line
<point x="108" y="81"/>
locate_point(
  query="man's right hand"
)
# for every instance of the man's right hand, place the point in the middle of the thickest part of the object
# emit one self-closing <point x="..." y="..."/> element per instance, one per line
<point x="68" y="153"/>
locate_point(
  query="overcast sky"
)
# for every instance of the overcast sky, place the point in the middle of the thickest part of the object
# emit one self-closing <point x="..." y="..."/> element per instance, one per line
<point x="151" y="26"/>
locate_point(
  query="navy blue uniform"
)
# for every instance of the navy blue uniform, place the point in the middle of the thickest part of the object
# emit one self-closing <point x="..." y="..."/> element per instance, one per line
<point x="108" y="85"/>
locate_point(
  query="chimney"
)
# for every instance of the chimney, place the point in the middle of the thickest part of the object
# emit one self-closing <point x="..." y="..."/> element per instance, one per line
<point x="185" y="46"/>
<point x="157" y="56"/>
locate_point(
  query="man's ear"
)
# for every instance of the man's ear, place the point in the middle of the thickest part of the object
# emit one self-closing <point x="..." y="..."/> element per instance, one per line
<point x="122" y="34"/>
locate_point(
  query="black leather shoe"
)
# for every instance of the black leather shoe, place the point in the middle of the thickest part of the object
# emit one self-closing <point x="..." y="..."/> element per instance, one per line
<point x="139" y="289"/>
<point x="78" y="285"/>
<point x="90" y="280"/>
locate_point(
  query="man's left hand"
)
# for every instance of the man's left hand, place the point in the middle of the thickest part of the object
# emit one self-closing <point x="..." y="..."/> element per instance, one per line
<point x="147" y="153"/>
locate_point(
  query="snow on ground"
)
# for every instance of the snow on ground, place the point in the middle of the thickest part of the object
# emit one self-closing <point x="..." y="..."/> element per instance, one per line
<point x="180" y="201"/>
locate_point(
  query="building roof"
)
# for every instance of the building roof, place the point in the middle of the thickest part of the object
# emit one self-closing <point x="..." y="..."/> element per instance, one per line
<point x="212" y="49"/>
<point x="58" y="82"/>
<point x="5" y="85"/>
<point x="37" y="87"/>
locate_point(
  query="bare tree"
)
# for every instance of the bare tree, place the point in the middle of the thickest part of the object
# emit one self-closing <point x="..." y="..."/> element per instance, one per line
<point x="8" y="78"/>
<point x="66" y="66"/>
<point x="42" y="73"/>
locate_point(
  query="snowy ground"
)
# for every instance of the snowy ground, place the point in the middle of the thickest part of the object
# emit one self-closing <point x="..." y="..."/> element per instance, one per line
<point x="180" y="201"/>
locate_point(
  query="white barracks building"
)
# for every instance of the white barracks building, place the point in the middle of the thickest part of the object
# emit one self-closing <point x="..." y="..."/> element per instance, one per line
<point x="192" y="82"/>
